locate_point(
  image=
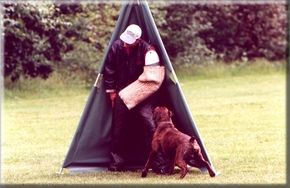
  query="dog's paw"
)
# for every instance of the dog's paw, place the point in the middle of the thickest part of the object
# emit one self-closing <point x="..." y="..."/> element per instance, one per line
<point x="144" y="174"/>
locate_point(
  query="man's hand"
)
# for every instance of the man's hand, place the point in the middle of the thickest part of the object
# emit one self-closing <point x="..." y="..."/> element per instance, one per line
<point x="112" y="97"/>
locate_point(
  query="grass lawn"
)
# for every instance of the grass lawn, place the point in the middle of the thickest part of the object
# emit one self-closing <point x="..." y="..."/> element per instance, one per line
<point x="241" y="119"/>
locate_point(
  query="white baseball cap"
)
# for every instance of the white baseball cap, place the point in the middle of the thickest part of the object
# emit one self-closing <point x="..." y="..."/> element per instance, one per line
<point x="131" y="34"/>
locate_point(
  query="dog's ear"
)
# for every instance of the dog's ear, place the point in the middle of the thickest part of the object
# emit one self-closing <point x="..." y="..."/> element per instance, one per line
<point x="192" y="139"/>
<point x="170" y="113"/>
<point x="156" y="116"/>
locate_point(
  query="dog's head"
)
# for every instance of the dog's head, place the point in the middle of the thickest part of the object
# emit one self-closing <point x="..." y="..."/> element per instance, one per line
<point x="161" y="113"/>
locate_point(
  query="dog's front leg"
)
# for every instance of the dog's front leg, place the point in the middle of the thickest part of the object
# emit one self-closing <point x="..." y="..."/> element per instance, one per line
<point x="146" y="168"/>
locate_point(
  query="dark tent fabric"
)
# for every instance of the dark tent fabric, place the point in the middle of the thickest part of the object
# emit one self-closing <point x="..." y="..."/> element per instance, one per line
<point x="90" y="147"/>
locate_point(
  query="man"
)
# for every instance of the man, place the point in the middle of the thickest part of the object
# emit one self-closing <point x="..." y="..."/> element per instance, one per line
<point x="132" y="75"/>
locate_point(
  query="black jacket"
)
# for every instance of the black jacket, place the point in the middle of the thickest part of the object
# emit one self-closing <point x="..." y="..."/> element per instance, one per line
<point x="121" y="69"/>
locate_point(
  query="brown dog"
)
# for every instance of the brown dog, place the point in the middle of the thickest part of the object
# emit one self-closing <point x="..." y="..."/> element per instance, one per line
<point x="178" y="146"/>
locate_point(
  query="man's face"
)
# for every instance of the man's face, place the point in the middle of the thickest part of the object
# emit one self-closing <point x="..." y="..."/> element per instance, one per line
<point x="131" y="45"/>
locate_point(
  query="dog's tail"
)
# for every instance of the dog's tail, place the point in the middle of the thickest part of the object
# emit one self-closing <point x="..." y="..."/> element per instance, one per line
<point x="192" y="139"/>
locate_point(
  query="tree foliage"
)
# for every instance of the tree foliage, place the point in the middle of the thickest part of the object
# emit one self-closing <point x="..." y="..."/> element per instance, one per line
<point x="40" y="38"/>
<point x="90" y="31"/>
<point x="252" y="31"/>
<point x="226" y="32"/>
<point x="32" y="42"/>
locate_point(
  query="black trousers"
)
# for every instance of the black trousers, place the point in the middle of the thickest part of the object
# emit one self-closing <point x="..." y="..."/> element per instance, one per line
<point x="121" y="124"/>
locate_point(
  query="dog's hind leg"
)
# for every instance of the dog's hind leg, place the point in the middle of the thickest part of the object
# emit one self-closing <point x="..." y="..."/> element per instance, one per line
<point x="171" y="167"/>
<point x="206" y="163"/>
<point x="171" y="157"/>
<point x="181" y="163"/>
<point x="198" y="156"/>
<point x="146" y="167"/>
